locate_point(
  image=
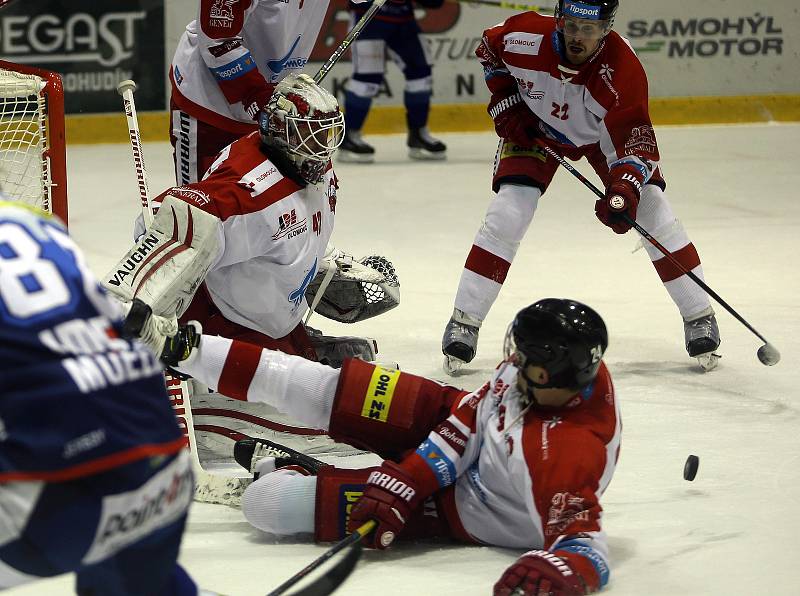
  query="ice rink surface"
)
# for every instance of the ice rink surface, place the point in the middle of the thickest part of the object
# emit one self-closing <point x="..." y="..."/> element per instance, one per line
<point x="734" y="530"/>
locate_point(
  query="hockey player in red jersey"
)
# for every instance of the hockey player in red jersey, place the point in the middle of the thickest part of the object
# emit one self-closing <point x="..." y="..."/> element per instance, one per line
<point x="225" y="68"/>
<point x="519" y="463"/>
<point x="573" y="84"/>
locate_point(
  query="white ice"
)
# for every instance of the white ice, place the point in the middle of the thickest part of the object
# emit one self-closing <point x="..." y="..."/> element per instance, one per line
<point x="735" y="529"/>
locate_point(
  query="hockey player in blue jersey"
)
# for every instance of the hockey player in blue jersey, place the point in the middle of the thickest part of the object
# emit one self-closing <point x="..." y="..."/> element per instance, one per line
<point x="393" y="31"/>
<point x="94" y="477"/>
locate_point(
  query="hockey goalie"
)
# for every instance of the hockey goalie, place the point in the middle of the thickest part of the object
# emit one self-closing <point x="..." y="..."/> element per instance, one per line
<point x="243" y="250"/>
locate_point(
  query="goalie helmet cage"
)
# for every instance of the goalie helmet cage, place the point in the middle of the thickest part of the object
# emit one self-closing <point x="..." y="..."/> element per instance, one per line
<point x="33" y="164"/>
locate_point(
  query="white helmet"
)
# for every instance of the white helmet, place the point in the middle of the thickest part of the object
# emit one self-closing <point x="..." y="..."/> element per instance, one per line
<point x="303" y="121"/>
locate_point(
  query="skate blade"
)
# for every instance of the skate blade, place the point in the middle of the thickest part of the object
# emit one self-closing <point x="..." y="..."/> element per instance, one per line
<point x="423" y="155"/>
<point x="709" y="361"/>
<point x="452" y="365"/>
<point x="348" y="157"/>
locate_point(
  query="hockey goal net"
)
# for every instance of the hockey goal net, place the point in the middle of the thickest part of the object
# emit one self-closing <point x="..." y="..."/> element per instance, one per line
<point x="33" y="165"/>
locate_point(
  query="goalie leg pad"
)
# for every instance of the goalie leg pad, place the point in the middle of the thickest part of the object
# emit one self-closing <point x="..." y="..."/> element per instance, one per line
<point x="167" y="265"/>
<point x="385" y="410"/>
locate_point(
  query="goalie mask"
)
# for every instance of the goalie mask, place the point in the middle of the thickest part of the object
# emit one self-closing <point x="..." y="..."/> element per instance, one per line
<point x="303" y="123"/>
<point x="566" y="338"/>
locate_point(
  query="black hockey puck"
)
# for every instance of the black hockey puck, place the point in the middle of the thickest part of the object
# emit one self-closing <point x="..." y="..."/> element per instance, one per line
<point x="690" y="467"/>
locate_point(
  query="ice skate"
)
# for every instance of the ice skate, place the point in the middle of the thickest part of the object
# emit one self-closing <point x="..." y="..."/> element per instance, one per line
<point x="354" y="149"/>
<point x="702" y="340"/>
<point x="421" y="145"/>
<point x="251" y="455"/>
<point x="460" y="341"/>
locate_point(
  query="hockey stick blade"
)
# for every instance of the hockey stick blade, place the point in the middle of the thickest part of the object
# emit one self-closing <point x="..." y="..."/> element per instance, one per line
<point x="331" y="580"/>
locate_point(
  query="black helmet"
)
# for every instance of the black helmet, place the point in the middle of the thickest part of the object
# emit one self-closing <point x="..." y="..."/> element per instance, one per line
<point x="595" y="10"/>
<point x="564" y="337"/>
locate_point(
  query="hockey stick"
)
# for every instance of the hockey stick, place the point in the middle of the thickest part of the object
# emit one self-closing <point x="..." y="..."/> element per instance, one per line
<point x="177" y="389"/>
<point x="349" y="38"/>
<point x="509" y="5"/>
<point x="126" y="89"/>
<point x="333" y="579"/>
<point x="767" y="354"/>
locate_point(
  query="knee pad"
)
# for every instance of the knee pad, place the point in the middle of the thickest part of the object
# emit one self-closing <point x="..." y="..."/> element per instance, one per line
<point x="387" y="411"/>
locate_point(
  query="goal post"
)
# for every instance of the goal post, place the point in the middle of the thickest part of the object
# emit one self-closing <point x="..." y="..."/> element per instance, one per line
<point x="33" y="164"/>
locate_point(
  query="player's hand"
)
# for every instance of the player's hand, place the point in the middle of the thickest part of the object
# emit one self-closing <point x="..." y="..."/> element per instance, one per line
<point x="152" y="330"/>
<point x="257" y="100"/>
<point x="181" y="345"/>
<point x="390" y="497"/>
<point x="513" y="119"/>
<point x="540" y="573"/>
<point x="622" y="197"/>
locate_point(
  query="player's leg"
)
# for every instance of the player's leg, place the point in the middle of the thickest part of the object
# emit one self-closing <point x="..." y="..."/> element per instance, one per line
<point x="409" y="51"/>
<point x="521" y="175"/>
<point x="369" y="63"/>
<point x="701" y="334"/>
<point x="288" y="502"/>
<point x="195" y="145"/>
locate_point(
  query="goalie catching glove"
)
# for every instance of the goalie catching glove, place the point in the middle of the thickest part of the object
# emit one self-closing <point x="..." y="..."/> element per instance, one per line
<point x="355" y="290"/>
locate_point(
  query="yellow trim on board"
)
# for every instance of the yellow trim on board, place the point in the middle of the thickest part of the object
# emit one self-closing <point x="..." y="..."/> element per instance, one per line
<point x="154" y="126"/>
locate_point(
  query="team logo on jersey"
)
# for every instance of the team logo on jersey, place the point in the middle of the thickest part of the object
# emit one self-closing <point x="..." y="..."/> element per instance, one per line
<point x="526" y="87"/>
<point x="289" y="226"/>
<point x="606" y="71"/>
<point x="519" y="42"/>
<point x="565" y="508"/>
<point x="178" y="77"/>
<point x="441" y="465"/>
<point x="221" y="13"/>
<point x="288" y="62"/>
<point x="642" y="139"/>
<point x="296" y="296"/>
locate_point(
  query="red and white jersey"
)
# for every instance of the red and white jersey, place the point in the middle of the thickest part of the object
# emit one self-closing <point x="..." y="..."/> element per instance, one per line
<point x="272" y="236"/>
<point x="235" y="47"/>
<point x="601" y="102"/>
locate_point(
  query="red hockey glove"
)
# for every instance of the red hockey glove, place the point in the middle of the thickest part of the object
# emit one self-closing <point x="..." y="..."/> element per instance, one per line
<point x="539" y="572"/>
<point x="513" y="120"/>
<point x="257" y="100"/>
<point x="622" y="197"/>
<point x="390" y="497"/>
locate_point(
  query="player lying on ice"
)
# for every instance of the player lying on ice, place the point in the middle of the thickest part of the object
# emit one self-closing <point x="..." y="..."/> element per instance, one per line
<point x="519" y="463"/>
<point x="94" y="476"/>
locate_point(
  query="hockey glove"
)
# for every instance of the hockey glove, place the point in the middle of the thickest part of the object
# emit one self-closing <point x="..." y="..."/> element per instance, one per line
<point x="622" y="197"/>
<point x="540" y="572"/>
<point x="179" y="347"/>
<point x="140" y="323"/>
<point x="513" y="120"/>
<point x="390" y="497"/>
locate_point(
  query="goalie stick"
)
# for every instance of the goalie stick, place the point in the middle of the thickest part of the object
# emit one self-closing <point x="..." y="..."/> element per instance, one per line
<point x="126" y="89"/>
<point x="177" y="389"/>
<point x="767" y="354"/>
<point x="331" y="580"/>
